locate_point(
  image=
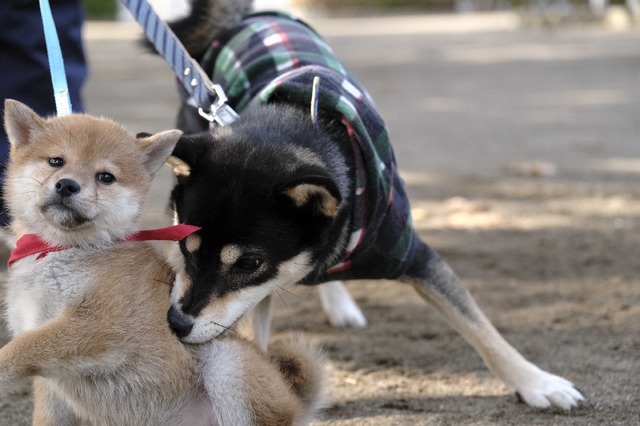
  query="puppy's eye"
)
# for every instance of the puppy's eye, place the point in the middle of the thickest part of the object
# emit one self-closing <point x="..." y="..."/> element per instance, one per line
<point x="56" y="162"/>
<point x="106" y="178"/>
<point x="248" y="264"/>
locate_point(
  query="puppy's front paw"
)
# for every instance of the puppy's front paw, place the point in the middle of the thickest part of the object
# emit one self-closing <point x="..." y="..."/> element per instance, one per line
<point x="545" y="390"/>
<point x="11" y="382"/>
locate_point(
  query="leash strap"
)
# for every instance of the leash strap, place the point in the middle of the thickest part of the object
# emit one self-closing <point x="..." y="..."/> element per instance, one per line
<point x="56" y="63"/>
<point x="210" y="98"/>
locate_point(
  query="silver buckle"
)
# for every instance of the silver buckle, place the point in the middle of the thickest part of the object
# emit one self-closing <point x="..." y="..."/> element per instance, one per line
<point x="220" y="112"/>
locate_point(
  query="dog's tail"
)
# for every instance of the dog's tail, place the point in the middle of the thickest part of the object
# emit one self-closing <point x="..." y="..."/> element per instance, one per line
<point x="206" y="19"/>
<point x="302" y="364"/>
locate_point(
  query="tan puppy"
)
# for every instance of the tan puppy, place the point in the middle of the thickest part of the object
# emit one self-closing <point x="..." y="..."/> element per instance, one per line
<point x="90" y="319"/>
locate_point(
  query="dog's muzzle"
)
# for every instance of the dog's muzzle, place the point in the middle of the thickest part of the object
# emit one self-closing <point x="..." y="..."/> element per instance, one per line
<point x="67" y="187"/>
<point x="180" y="324"/>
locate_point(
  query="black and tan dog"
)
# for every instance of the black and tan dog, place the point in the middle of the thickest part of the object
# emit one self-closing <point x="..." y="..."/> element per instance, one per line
<point x="303" y="188"/>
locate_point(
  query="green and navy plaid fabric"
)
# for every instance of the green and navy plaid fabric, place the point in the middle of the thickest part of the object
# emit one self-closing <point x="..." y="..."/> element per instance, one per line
<point x="273" y="56"/>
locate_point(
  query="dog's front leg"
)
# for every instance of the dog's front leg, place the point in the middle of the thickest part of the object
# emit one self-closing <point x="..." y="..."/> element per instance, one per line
<point x="261" y="322"/>
<point x="50" y="351"/>
<point x="440" y="287"/>
<point x="19" y="361"/>
<point x="48" y="408"/>
<point x="339" y="305"/>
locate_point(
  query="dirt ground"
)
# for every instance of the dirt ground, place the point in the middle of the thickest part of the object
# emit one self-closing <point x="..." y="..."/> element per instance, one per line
<point x="529" y="186"/>
<point x="566" y="296"/>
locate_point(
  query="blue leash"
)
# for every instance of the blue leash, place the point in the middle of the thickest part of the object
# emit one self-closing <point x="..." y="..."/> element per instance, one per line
<point x="208" y="96"/>
<point x="56" y="63"/>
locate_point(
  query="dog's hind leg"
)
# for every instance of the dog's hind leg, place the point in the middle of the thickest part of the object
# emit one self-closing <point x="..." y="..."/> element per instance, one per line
<point x="247" y="387"/>
<point x="441" y="288"/>
<point x="338" y="304"/>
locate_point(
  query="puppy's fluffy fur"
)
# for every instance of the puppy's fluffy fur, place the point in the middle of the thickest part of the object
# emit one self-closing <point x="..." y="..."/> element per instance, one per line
<point x="90" y="321"/>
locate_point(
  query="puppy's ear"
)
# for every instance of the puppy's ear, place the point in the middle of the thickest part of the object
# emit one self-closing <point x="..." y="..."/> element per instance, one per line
<point x="157" y="148"/>
<point x="20" y="122"/>
<point x="316" y="193"/>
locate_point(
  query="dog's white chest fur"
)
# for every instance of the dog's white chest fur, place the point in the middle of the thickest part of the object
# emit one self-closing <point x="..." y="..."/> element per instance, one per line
<point x="39" y="289"/>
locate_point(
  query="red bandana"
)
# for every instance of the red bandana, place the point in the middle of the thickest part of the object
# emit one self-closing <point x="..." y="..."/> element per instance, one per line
<point x="30" y="244"/>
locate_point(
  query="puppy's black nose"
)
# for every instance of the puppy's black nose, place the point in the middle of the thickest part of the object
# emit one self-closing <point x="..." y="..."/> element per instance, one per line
<point x="66" y="187"/>
<point x="179" y="323"/>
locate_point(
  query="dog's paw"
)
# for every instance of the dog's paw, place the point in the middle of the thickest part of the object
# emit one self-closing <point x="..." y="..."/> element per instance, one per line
<point x="12" y="381"/>
<point x="341" y="309"/>
<point x="548" y="390"/>
<point x="346" y="316"/>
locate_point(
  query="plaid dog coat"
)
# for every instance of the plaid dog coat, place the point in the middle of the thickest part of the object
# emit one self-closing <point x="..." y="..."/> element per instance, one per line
<point x="273" y="56"/>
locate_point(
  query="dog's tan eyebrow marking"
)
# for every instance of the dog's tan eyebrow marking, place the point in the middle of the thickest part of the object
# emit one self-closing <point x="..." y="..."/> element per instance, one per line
<point x="230" y="254"/>
<point x="192" y="243"/>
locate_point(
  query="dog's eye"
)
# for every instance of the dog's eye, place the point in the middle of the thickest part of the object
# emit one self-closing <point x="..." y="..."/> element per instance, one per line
<point x="56" y="162"/>
<point x="106" y="178"/>
<point x="248" y="263"/>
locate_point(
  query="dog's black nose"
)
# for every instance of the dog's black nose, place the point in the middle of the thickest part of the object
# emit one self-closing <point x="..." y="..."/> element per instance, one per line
<point x="179" y="323"/>
<point x="66" y="187"/>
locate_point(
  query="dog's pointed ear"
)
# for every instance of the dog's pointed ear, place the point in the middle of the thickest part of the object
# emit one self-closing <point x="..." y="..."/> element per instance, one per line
<point x="316" y="193"/>
<point x="20" y="122"/>
<point x="157" y="148"/>
<point x="189" y="149"/>
<point x="180" y="167"/>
